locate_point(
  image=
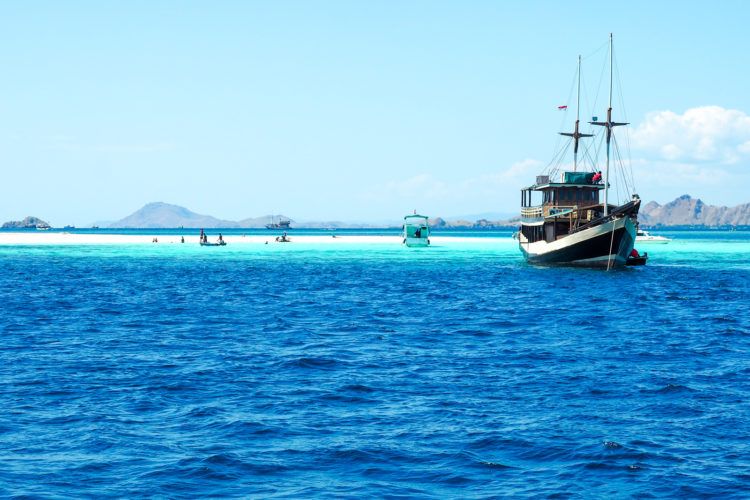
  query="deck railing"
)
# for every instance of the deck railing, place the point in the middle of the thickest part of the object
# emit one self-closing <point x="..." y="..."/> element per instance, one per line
<point x="563" y="212"/>
<point x="531" y="212"/>
<point x="558" y="209"/>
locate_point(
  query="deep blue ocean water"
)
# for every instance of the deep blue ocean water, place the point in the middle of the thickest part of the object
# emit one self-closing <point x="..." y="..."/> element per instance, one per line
<point x="372" y="370"/>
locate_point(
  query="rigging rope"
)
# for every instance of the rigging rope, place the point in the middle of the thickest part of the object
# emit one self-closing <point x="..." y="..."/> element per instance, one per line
<point x="611" y="243"/>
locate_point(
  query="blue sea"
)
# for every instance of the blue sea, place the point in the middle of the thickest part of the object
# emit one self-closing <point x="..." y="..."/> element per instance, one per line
<point x="368" y="370"/>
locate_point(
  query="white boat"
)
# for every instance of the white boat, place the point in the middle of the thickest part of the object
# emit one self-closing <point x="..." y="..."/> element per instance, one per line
<point x="416" y="231"/>
<point x="646" y="237"/>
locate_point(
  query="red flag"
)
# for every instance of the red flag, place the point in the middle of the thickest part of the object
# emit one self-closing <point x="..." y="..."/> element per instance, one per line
<point x="562" y="107"/>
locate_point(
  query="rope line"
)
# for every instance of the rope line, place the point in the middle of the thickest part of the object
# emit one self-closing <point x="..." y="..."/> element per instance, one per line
<point x="611" y="243"/>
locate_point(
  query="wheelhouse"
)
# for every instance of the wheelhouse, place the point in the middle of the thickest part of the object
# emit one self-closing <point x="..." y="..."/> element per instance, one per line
<point x="550" y="210"/>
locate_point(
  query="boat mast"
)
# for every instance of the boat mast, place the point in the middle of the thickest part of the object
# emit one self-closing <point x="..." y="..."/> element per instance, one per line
<point x="609" y="132"/>
<point x="575" y="134"/>
<point x="609" y="124"/>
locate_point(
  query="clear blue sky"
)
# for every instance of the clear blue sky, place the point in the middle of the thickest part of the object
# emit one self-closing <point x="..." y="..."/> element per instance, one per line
<point x="352" y="110"/>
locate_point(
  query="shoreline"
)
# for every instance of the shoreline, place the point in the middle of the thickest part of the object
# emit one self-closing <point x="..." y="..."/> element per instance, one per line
<point x="61" y="239"/>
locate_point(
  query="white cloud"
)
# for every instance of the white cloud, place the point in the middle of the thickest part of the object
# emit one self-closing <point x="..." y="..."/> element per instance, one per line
<point x="702" y="152"/>
<point x="493" y="191"/>
<point x="706" y="134"/>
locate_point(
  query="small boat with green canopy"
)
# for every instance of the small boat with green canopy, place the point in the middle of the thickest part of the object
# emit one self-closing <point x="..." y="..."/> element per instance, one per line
<point x="416" y="231"/>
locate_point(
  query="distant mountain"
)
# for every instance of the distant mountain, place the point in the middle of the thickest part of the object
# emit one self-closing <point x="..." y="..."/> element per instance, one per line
<point x="439" y="222"/>
<point x="164" y="215"/>
<point x="28" y="223"/>
<point x="684" y="211"/>
<point x="688" y="211"/>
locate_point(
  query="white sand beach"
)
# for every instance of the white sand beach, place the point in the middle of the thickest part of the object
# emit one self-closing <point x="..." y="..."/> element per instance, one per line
<point x="55" y="238"/>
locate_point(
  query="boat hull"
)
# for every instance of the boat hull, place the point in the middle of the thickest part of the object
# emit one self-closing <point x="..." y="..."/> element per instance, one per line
<point x="607" y="245"/>
<point x="652" y="240"/>
<point x="417" y="242"/>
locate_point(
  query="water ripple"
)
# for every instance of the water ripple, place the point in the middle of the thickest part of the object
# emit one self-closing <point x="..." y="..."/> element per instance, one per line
<point x="370" y="372"/>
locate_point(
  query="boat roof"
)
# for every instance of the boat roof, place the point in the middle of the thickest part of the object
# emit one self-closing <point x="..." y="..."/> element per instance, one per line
<point x="552" y="185"/>
<point x="416" y="216"/>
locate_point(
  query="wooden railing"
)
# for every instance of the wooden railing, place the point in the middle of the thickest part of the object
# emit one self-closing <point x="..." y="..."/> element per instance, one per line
<point x="531" y="212"/>
<point x="558" y="209"/>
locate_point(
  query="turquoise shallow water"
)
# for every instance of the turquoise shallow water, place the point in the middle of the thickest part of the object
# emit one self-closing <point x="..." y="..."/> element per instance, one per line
<point x="312" y="370"/>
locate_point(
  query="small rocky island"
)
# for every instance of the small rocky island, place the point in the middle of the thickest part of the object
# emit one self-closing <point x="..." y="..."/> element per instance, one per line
<point x="27" y="223"/>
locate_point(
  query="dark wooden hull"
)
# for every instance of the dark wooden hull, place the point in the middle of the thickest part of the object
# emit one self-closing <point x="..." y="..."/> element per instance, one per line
<point x="605" y="246"/>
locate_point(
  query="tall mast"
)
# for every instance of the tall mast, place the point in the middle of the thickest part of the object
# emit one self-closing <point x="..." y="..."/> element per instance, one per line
<point x="575" y="134"/>
<point x="609" y="124"/>
<point x="609" y="132"/>
<point x="578" y="113"/>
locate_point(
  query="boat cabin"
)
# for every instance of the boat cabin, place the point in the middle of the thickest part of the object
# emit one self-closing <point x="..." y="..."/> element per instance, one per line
<point x="416" y="231"/>
<point x="560" y="207"/>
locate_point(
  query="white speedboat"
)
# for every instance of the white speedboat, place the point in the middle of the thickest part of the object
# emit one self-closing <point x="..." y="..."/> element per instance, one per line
<point x="646" y="237"/>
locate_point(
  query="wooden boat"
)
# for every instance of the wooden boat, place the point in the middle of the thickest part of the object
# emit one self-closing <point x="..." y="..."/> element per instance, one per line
<point x="567" y="224"/>
<point x="281" y="224"/>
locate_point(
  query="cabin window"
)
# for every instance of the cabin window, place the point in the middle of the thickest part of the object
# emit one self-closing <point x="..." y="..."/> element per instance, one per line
<point x="579" y="195"/>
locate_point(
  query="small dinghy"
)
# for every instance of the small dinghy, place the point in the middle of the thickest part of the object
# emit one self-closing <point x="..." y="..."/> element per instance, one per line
<point x="203" y="240"/>
<point x="640" y="260"/>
